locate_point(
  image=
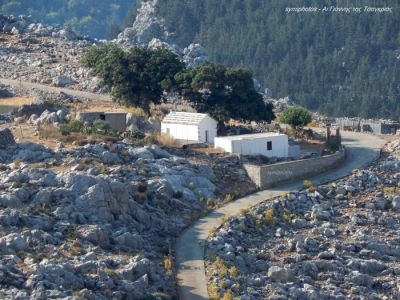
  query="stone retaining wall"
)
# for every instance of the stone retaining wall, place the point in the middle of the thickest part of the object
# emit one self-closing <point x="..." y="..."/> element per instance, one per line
<point x="266" y="176"/>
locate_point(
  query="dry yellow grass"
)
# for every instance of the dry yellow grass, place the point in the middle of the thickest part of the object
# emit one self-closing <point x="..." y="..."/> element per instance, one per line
<point x="167" y="140"/>
<point x="15" y="101"/>
<point x="99" y="106"/>
<point x="8" y="104"/>
<point x="209" y="149"/>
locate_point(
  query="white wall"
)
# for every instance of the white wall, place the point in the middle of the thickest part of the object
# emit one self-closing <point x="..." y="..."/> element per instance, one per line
<point x="224" y="144"/>
<point x="181" y="132"/>
<point x="210" y="125"/>
<point x="192" y="132"/>
<point x="255" y="146"/>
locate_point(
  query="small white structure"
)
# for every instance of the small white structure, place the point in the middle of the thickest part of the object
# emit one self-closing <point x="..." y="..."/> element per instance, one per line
<point x="269" y="144"/>
<point x="191" y="127"/>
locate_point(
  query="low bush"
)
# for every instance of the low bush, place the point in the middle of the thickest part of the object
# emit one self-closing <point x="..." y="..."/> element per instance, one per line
<point x="100" y="127"/>
<point x="233" y="272"/>
<point x="213" y="292"/>
<point x="71" y="126"/>
<point x="269" y="218"/>
<point x="168" y="264"/>
<point x="134" y="135"/>
<point x="307" y="184"/>
<point x="227" y="295"/>
<point x="75" y="126"/>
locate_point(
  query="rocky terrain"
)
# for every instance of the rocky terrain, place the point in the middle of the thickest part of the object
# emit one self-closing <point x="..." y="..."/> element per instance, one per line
<point x="94" y="222"/>
<point x="149" y="30"/>
<point x="335" y="241"/>
<point x="33" y="52"/>
<point x="37" y="53"/>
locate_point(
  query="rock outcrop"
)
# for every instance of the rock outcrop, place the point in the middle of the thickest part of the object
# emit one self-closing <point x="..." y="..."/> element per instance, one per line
<point x="149" y="30"/>
<point x="6" y="138"/>
<point x="145" y="28"/>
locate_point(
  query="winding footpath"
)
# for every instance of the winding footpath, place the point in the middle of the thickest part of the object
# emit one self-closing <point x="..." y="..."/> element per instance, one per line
<point x="46" y="88"/>
<point x="362" y="149"/>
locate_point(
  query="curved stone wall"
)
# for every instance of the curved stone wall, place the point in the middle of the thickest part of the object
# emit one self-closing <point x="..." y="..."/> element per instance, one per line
<point x="266" y="176"/>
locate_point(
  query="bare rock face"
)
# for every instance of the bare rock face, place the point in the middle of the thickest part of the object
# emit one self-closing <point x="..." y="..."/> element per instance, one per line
<point x="149" y="30"/>
<point x="6" y="138"/>
<point x="194" y="55"/>
<point x="147" y="26"/>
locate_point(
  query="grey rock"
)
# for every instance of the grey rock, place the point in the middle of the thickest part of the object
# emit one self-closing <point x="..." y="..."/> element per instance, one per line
<point x="361" y="279"/>
<point x="158" y="152"/>
<point x="6" y="138"/>
<point x="396" y="203"/>
<point x="63" y="81"/>
<point x="136" y="269"/>
<point x="279" y="274"/>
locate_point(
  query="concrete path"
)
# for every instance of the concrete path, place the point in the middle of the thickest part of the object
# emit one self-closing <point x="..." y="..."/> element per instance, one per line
<point x="47" y="88"/>
<point x="362" y="149"/>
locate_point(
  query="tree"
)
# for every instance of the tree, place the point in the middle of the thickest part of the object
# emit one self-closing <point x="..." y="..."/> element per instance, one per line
<point x="136" y="77"/>
<point x="296" y="116"/>
<point x="223" y="92"/>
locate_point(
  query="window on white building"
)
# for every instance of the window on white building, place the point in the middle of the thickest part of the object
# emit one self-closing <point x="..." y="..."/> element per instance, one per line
<point x="269" y="145"/>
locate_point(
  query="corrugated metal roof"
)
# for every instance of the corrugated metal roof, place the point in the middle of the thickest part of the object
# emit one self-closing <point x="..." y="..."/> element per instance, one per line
<point x="185" y="118"/>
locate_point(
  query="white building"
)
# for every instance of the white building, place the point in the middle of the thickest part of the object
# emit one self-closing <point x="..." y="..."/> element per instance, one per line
<point x="191" y="127"/>
<point x="269" y="144"/>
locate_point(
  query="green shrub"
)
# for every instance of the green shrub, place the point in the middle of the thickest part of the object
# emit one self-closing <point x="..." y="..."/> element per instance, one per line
<point x="296" y="116"/>
<point x="233" y="272"/>
<point x="287" y="217"/>
<point x="168" y="264"/>
<point x="269" y="218"/>
<point x="100" y="127"/>
<point x="135" y="135"/>
<point x="75" y="126"/>
<point x="71" y="126"/>
<point x="307" y="184"/>
<point x="227" y="295"/>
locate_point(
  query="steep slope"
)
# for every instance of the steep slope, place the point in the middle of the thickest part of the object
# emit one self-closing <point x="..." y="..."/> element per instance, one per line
<point x="336" y="62"/>
<point x="97" y="18"/>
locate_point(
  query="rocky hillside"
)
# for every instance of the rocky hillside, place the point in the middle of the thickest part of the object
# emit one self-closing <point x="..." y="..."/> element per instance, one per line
<point x="33" y="52"/>
<point x="96" y="18"/>
<point x="332" y="241"/>
<point x="94" y="222"/>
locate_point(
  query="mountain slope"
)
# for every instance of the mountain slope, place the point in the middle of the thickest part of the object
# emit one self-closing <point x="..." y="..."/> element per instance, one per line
<point x="97" y="18"/>
<point x="337" y="63"/>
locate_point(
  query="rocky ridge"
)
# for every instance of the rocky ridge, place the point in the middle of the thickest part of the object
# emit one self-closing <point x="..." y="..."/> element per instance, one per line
<point x="335" y="241"/>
